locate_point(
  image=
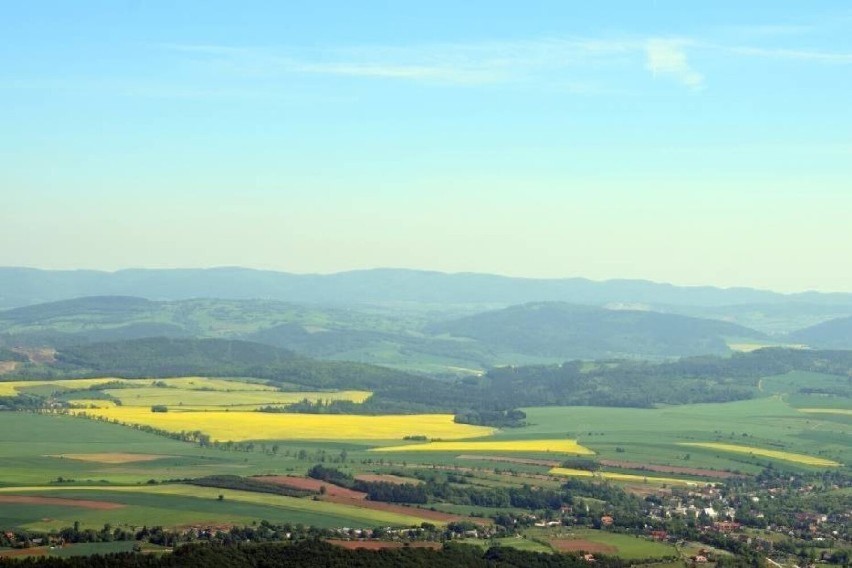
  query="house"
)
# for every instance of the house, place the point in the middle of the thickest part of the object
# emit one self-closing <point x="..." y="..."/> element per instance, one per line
<point x="659" y="535"/>
<point x="607" y="521"/>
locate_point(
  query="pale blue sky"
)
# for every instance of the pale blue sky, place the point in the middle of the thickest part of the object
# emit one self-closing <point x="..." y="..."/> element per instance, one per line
<point x="695" y="144"/>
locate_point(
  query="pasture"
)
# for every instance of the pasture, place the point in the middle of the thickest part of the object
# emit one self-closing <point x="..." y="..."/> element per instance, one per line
<point x="594" y="541"/>
<point x="176" y="505"/>
<point x="656" y="435"/>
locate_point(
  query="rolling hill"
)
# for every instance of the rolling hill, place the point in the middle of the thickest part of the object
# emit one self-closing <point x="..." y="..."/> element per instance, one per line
<point x="833" y="334"/>
<point x="571" y="331"/>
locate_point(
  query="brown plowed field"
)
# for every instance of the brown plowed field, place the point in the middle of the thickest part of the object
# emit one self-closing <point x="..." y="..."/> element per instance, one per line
<point x="380" y="544"/>
<point x="580" y="545"/>
<point x="310" y="484"/>
<point x="387" y="478"/>
<point x="18" y="552"/>
<point x="669" y="469"/>
<point x="81" y="503"/>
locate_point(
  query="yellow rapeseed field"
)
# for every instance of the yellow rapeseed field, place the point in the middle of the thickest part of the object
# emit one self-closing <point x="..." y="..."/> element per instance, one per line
<point x="172" y="397"/>
<point x="237" y="426"/>
<point x="555" y="446"/>
<point x="623" y="476"/>
<point x="776" y="454"/>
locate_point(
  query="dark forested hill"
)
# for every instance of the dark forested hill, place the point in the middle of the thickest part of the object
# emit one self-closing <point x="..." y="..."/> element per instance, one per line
<point x="833" y="334"/>
<point x="570" y="331"/>
<point x="167" y="357"/>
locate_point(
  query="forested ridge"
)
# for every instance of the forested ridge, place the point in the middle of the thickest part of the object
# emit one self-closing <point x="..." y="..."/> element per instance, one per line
<point x="621" y="383"/>
<point x="309" y="553"/>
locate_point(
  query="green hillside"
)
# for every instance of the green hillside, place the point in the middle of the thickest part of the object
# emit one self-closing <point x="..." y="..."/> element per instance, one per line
<point x="571" y="331"/>
<point x="833" y="334"/>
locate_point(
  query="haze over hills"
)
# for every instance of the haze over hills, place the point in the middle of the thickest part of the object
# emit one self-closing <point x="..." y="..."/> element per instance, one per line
<point x="25" y="286"/>
<point x="766" y="311"/>
<point x="434" y="340"/>
<point x="833" y="334"/>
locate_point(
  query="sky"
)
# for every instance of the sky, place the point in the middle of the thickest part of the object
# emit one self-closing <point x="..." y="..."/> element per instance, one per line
<point x="694" y="143"/>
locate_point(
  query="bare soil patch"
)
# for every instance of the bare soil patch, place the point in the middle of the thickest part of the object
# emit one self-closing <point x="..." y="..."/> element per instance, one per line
<point x="670" y="469"/>
<point x="581" y="545"/>
<point x="388" y="478"/>
<point x="20" y="552"/>
<point x="525" y="461"/>
<point x="80" y="503"/>
<point x="38" y="355"/>
<point x="7" y="366"/>
<point x="380" y="544"/>
<point x="309" y="484"/>
<point x="112" y="457"/>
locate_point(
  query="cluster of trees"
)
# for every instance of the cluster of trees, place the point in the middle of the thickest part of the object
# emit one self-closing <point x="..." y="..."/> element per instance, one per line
<point x="27" y="402"/>
<point x="450" y="489"/>
<point x="498" y="418"/>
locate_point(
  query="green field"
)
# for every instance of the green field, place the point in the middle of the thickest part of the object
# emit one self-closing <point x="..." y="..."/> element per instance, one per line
<point x="38" y="449"/>
<point x="652" y="435"/>
<point x="625" y="546"/>
<point x="178" y="505"/>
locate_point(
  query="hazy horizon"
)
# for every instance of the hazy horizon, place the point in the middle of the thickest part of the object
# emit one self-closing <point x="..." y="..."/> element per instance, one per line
<point x="699" y="145"/>
<point x="416" y="269"/>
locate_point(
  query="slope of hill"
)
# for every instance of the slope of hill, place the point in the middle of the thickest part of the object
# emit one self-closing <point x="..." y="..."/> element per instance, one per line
<point x="167" y="357"/>
<point x="571" y="331"/>
<point x="833" y="334"/>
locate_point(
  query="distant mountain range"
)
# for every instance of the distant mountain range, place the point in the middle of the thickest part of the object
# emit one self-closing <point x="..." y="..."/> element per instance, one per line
<point x="25" y="286"/>
<point x="423" y="292"/>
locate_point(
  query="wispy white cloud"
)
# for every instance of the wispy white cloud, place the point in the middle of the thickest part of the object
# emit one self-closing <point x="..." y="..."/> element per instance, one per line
<point x="457" y="64"/>
<point x="667" y="58"/>
<point x="795" y="54"/>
